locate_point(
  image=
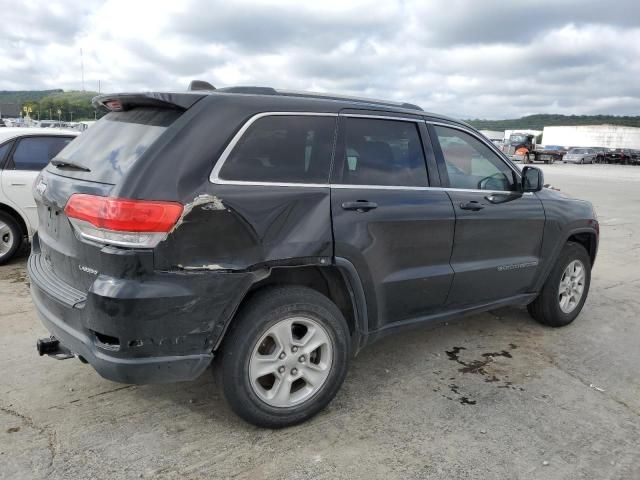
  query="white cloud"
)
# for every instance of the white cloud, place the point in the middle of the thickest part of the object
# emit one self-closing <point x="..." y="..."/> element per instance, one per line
<point x="461" y="57"/>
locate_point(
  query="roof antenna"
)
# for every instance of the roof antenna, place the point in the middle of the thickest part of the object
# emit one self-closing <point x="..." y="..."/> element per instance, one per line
<point x="200" y="85"/>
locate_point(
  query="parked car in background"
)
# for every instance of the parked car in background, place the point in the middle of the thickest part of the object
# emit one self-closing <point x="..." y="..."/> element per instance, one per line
<point x="322" y="224"/>
<point x="23" y="153"/>
<point x="581" y="155"/>
<point x="618" y="155"/>
<point x="634" y="157"/>
<point x="549" y="153"/>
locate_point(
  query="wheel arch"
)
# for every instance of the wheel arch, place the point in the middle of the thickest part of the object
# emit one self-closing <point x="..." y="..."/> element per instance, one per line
<point x="588" y="239"/>
<point x="339" y="282"/>
<point x="585" y="236"/>
<point x="22" y="222"/>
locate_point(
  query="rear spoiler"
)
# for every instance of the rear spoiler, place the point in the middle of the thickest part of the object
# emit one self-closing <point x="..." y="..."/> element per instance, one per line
<point x="125" y="101"/>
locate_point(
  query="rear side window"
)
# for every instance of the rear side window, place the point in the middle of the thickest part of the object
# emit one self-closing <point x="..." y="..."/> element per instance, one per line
<point x="283" y="149"/>
<point x="33" y="153"/>
<point x="4" y="149"/>
<point x="383" y="152"/>
<point x="116" y="142"/>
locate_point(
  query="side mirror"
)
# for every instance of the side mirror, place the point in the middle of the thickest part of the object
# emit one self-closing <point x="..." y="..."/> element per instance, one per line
<point x="532" y="179"/>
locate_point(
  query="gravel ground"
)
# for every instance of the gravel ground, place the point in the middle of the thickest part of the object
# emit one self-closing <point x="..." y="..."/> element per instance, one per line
<point x="535" y="403"/>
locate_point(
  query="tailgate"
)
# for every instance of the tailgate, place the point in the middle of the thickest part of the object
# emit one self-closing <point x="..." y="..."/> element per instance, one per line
<point x="95" y="163"/>
<point x="62" y="254"/>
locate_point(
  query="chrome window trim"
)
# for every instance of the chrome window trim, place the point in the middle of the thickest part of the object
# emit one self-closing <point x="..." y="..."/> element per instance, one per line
<point x="478" y="137"/>
<point x="436" y="189"/>
<point x="214" y="177"/>
<point x="215" y="173"/>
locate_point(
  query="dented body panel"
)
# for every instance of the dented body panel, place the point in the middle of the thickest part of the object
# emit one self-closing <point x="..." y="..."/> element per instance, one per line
<point x="254" y="227"/>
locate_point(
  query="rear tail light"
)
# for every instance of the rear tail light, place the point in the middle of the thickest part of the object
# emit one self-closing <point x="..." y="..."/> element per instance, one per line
<point x="122" y="222"/>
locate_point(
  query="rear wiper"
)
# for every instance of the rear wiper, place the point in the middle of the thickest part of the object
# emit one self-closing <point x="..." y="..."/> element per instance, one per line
<point x="69" y="165"/>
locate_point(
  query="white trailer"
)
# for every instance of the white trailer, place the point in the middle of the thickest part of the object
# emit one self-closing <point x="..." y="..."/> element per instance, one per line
<point x="605" y="136"/>
<point x="493" y="135"/>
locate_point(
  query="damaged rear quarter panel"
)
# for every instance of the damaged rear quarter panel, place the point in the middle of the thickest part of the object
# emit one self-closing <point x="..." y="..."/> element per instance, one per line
<point x="235" y="227"/>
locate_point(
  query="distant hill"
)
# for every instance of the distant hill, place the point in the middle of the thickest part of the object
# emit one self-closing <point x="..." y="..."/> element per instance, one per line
<point x="538" y="122"/>
<point x="8" y="96"/>
<point x="45" y="104"/>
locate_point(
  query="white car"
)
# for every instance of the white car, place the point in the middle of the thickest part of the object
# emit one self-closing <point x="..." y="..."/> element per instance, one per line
<point x="581" y="155"/>
<point x="23" y="153"/>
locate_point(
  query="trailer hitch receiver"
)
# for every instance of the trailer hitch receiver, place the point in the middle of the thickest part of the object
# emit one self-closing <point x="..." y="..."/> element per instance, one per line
<point x="51" y="346"/>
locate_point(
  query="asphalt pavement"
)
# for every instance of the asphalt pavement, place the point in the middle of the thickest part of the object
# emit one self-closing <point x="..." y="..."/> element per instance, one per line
<point x="490" y="396"/>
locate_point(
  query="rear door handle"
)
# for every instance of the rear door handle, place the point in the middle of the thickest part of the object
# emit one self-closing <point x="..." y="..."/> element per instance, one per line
<point x="359" y="206"/>
<point x="472" y="205"/>
<point x="14" y="184"/>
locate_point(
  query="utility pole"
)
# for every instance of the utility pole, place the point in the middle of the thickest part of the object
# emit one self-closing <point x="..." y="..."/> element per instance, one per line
<point x="82" y="68"/>
<point x="71" y="113"/>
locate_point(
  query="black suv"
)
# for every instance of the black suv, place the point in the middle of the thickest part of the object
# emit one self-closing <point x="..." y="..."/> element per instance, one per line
<point x="282" y="232"/>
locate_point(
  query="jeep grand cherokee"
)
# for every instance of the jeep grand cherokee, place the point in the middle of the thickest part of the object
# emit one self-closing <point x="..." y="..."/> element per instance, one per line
<point x="282" y="232"/>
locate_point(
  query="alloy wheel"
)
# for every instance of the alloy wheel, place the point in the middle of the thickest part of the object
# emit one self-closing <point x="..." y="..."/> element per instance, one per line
<point x="291" y="362"/>
<point x="571" y="286"/>
<point x="6" y="239"/>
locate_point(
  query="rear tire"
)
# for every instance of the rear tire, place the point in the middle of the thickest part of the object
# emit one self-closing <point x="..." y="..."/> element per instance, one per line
<point x="10" y="237"/>
<point x="276" y="333"/>
<point x="559" y="303"/>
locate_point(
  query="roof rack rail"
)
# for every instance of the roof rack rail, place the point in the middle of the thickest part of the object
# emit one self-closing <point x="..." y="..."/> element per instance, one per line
<point x="329" y="96"/>
<point x="252" y="90"/>
<point x="249" y="90"/>
<point x="200" y="85"/>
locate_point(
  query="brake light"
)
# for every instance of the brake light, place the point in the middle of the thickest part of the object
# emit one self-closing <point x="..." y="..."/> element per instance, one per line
<point x="113" y="105"/>
<point x="123" y="222"/>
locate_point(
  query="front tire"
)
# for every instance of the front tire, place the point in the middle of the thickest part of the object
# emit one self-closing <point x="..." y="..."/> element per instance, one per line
<point x="10" y="237"/>
<point x="285" y="357"/>
<point x="566" y="289"/>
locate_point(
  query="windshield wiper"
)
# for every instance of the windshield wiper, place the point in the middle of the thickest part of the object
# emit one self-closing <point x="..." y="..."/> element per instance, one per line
<point x="69" y="165"/>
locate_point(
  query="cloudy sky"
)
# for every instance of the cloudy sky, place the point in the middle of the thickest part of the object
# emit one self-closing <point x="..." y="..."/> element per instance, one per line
<point x="466" y="58"/>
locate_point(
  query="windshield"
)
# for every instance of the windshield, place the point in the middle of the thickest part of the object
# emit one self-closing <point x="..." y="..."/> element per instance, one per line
<point x="114" y="143"/>
<point x="518" y="139"/>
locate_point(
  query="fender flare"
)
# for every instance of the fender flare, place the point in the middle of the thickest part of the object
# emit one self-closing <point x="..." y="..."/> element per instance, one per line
<point x="550" y="263"/>
<point x="358" y="299"/>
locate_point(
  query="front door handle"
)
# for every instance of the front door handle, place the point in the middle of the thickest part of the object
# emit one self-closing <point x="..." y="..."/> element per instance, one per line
<point x="14" y="184"/>
<point x="472" y="205"/>
<point x="359" y="206"/>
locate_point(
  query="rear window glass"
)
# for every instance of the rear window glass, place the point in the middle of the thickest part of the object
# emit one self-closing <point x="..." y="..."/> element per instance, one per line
<point x="115" y="143"/>
<point x="283" y="149"/>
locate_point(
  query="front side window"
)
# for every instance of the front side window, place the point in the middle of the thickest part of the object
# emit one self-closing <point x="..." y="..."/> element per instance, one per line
<point x="471" y="164"/>
<point x="382" y="152"/>
<point x="33" y="153"/>
<point x="283" y="149"/>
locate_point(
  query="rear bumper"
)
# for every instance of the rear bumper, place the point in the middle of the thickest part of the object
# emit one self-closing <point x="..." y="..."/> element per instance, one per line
<point x="132" y="333"/>
<point x="120" y="369"/>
